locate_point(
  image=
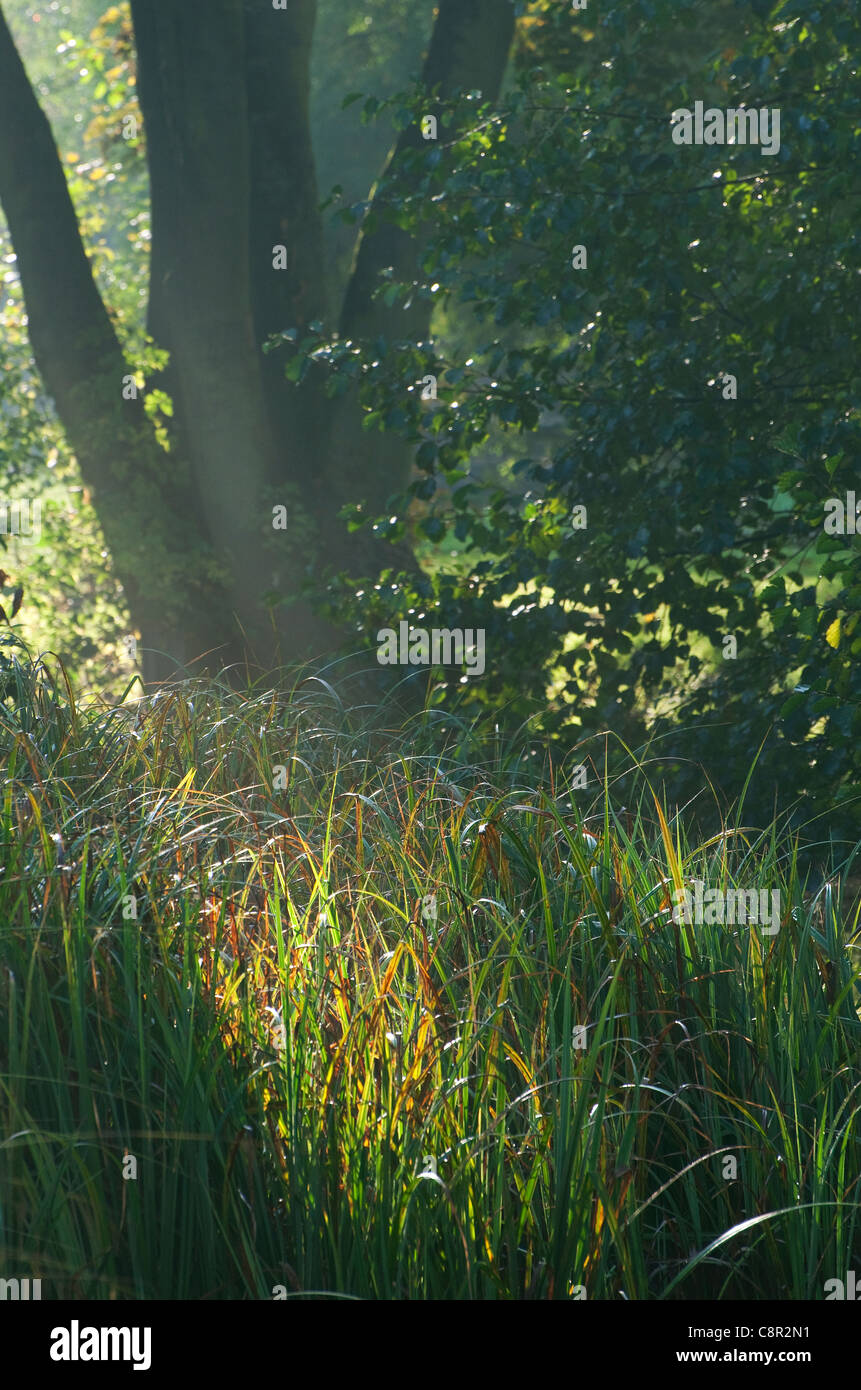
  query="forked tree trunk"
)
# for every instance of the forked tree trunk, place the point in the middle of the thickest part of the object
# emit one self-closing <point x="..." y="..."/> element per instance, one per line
<point x="224" y="91"/>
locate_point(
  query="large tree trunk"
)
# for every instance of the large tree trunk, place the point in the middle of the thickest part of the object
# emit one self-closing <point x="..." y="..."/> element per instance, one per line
<point x="193" y="98"/>
<point x="224" y="91"/>
<point x="284" y="213"/>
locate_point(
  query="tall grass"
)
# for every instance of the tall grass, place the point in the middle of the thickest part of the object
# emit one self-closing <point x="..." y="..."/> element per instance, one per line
<point x="333" y="1084"/>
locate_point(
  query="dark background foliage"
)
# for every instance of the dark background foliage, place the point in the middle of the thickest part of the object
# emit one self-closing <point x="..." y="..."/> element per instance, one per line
<point x="602" y="387"/>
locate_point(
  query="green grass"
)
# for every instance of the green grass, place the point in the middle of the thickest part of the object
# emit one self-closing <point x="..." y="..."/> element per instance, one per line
<point x="284" y="1032"/>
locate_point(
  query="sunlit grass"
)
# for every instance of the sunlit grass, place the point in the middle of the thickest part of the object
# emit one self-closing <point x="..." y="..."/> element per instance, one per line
<point x="334" y="1013"/>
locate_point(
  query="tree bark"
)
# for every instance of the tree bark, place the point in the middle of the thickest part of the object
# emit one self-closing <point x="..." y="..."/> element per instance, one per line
<point x="284" y="212"/>
<point x="194" y="98"/>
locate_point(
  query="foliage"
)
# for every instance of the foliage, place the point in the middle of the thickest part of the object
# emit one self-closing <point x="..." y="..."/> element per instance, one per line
<point x="604" y="387"/>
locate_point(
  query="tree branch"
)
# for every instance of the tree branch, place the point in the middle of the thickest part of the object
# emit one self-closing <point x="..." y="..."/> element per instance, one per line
<point x="468" y="52"/>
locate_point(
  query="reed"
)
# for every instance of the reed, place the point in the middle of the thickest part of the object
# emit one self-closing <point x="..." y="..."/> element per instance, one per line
<point x="418" y="1024"/>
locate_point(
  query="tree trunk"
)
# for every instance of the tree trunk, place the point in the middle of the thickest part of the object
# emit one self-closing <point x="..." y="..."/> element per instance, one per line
<point x="193" y="94"/>
<point x="285" y="213"/>
<point x="223" y="86"/>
